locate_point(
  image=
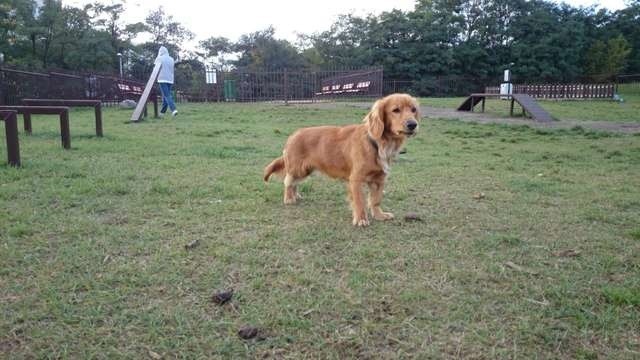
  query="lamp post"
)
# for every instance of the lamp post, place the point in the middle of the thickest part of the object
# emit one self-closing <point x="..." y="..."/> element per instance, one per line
<point x="120" y="61"/>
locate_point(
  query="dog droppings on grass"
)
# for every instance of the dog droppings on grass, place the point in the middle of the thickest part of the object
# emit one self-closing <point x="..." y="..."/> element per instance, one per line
<point x="567" y="253"/>
<point x="412" y="217"/>
<point x="222" y="297"/>
<point x="192" y="245"/>
<point x="248" y="332"/>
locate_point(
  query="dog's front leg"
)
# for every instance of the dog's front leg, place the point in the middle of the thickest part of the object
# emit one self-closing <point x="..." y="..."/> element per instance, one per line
<point x="376" y="190"/>
<point x="357" y="202"/>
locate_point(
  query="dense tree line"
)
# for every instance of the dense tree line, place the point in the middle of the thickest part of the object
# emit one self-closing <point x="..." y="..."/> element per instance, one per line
<point x="540" y="40"/>
<point x="479" y="38"/>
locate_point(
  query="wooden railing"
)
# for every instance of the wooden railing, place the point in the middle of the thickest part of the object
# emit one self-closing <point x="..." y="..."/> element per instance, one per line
<point x="561" y="91"/>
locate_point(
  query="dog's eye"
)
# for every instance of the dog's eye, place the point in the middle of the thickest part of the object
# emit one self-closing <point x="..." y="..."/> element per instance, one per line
<point x="396" y="110"/>
<point x="413" y="110"/>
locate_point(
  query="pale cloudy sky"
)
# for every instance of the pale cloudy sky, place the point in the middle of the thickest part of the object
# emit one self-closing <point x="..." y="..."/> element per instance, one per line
<point x="232" y="18"/>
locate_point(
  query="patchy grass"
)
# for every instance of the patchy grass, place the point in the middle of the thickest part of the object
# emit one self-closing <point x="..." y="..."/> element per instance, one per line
<point x="582" y="110"/>
<point x="93" y="261"/>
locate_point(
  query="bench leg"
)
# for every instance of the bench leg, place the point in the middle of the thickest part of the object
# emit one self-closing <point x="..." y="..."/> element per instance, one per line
<point x="155" y="106"/>
<point x="27" y="123"/>
<point x="98" y="110"/>
<point x="64" y="130"/>
<point x="511" y="111"/>
<point x="13" y="146"/>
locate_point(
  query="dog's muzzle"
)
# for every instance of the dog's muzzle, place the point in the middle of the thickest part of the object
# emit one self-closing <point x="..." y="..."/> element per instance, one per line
<point x="410" y="127"/>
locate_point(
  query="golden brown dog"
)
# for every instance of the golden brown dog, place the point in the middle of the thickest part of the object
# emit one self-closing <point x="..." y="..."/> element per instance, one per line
<point x="360" y="154"/>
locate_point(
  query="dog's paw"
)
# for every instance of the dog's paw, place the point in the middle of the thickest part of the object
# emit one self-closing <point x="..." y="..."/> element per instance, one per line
<point x="291" y="201"/>
<point x="381" y="216"/>
<point x="360" y="222"/>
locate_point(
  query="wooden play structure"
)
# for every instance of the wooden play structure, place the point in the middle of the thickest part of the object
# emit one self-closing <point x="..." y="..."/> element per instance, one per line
<point x="528" y="104"/>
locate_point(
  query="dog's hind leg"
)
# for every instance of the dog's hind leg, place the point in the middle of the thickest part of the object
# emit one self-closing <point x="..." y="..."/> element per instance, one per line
<point x="291" y="181"/>
<point x="290" y="189"/>
<point x="291" y="193"/>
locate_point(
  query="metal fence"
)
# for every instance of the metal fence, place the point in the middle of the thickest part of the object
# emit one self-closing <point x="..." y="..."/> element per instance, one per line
<point x="16" y="85"/>
<point x="629" y="84"/>
<point x="244" y="85"/>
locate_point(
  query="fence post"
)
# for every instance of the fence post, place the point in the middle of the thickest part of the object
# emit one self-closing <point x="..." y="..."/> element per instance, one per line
<point x="315" y="84"/>
<point x="2" y="82"/>
<point x="64" y="129"/>
<point x="286" y="81"/>
<point x="98" y="114"/>
<point x="27" y="122"/>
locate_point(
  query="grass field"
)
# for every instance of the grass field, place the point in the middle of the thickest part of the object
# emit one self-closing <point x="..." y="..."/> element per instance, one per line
<point x="587" y="110"/>
<point x="543" y="264"/>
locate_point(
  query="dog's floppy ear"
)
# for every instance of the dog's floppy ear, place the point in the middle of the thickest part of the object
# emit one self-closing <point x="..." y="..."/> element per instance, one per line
<point x="417" y="105"/>
<point x="375" y="120"/>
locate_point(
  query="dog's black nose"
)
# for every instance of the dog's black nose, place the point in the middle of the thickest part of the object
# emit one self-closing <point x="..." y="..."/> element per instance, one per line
<point x="411" y="125"/>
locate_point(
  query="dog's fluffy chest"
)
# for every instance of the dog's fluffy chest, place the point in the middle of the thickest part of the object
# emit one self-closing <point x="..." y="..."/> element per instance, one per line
<point x="385" y="155"/>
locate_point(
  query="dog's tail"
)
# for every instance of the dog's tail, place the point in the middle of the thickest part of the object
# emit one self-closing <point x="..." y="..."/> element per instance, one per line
<point x="276" y="166"/>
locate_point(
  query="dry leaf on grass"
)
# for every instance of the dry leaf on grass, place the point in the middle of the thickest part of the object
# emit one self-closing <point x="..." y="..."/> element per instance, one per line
<point x="479" y="195"/>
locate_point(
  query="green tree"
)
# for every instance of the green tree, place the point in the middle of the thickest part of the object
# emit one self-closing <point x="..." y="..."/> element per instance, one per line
<point x="605" y="60"/>
<point x="627" y="22"/>
<point x="214" y="49"/>
<point x="260" y="50"/>
<point x="166" y="31"/>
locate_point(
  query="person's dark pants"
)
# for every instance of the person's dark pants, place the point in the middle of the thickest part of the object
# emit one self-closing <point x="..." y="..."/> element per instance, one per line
<point x="167" y="98"/>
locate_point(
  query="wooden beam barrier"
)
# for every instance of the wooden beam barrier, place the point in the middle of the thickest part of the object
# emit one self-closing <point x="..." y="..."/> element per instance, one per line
<point x="61" y="111"/>
<point x="96" y="104"/>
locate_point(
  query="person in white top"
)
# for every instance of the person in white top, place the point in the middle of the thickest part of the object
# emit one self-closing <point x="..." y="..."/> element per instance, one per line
<point x="165" y="80"/>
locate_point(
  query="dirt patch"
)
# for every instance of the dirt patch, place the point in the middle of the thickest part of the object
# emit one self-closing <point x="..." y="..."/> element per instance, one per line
<point x="8" y="345"/>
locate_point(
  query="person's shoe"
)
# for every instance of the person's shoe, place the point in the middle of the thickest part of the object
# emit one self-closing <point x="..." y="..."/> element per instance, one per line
<point x="174" y="113"/>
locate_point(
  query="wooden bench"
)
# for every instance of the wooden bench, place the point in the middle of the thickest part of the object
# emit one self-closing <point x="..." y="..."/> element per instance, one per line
<point x="10" y="119"/>
<point x="96" y="104"/>
<point x="61" y="111"/>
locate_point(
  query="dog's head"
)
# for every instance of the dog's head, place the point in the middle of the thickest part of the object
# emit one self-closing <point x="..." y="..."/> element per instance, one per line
<point x="396" y="116"/>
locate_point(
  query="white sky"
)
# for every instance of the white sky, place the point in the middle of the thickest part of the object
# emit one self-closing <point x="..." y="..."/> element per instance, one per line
<point x="232" y="18"/>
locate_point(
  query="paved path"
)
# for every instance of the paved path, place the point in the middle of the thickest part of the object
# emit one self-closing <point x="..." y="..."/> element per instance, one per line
<point x="485" y="118"/>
